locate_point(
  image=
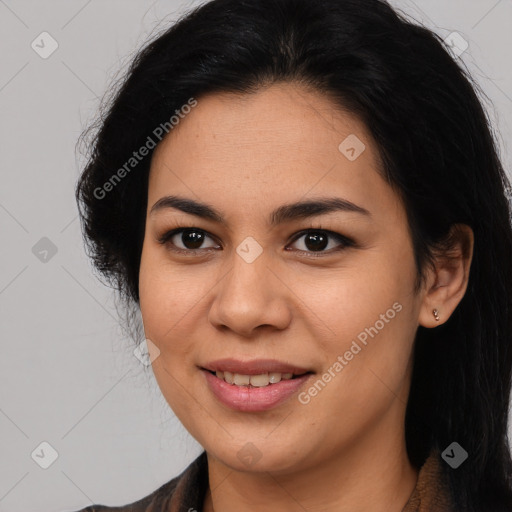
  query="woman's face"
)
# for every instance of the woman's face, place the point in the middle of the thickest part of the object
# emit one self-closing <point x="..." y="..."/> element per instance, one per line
<point x="265" y="284"/>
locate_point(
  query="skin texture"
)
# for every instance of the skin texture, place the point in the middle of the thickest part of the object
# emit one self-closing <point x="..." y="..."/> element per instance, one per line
<point x="246" y="155"/>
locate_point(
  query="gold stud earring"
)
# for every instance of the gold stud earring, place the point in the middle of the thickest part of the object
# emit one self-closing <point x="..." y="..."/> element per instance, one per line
<point x="436" y="314"/>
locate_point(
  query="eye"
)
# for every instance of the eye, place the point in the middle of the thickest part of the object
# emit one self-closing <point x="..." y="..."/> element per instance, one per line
<point x="317" y="240"/>
<point x="191" y="240"/>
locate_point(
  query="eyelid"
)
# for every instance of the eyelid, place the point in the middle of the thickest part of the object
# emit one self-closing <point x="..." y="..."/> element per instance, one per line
<point x="343" y="240"/>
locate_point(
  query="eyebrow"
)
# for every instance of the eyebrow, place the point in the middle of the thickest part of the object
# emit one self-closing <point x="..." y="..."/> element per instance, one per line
<point x="284" y="213"/>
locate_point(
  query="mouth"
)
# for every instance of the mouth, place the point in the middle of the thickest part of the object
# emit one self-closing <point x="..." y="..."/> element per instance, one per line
<point x="253" y="389"/>
<point x="254" y="386"/>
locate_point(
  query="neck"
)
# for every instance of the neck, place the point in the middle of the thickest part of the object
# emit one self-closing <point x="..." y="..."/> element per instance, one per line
<point x="370" y="475"/>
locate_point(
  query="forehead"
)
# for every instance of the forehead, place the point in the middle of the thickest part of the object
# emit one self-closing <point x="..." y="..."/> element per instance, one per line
<point x="279" y="117"/>
<point x="279" y="144"/>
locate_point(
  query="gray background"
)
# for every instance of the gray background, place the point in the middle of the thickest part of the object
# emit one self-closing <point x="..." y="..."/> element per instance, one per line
<point x="68" y="375"/>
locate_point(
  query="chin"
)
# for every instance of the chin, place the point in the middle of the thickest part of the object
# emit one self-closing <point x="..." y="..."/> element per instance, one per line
<point x="257" y="456"/>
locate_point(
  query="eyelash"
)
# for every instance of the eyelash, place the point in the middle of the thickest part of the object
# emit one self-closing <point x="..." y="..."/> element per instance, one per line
<point x="165" y="239"/>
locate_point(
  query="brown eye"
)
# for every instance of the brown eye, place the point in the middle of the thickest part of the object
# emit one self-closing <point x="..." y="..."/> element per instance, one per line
<point x="192" y="239"/>
<point x="318" y="240"/>
<point x="186" y="239"/>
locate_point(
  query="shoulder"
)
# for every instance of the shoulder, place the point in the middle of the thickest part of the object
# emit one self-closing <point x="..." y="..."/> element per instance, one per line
<point x="157" y="497"/>
<point x="190" y="484"/>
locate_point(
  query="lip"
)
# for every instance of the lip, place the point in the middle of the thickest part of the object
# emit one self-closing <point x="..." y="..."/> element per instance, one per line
<point x="253" y="367"/>
<point x="249" y="398"/>
<point x="253" y="399"/>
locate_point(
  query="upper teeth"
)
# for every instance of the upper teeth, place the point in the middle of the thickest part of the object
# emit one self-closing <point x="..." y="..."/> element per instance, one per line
<point x="259" y="381"/>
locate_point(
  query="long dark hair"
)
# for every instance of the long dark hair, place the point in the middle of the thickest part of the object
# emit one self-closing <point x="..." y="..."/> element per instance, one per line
<point x="438" y="150"/>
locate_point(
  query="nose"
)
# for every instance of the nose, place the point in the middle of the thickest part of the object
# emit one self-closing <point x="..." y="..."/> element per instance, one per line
<point x="251" y="297"/>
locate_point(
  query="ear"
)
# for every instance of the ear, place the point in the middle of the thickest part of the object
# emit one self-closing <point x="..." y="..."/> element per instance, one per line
<point x="447" y="283"/>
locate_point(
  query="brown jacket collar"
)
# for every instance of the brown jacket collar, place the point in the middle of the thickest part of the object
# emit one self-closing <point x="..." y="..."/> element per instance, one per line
<point x="431" y="493"/>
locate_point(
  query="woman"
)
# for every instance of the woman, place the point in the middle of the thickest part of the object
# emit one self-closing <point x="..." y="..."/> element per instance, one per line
<point x="306" y="203"/>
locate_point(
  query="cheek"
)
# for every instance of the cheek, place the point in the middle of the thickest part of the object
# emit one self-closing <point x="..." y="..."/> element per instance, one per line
<point x="171" y="303"/>
<point x="348" y="301"/>
<point x="161" y="290"/>
<point x="368" y="316"/>
<point x="366" y="362"/>
<point x="167" y="302"/>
